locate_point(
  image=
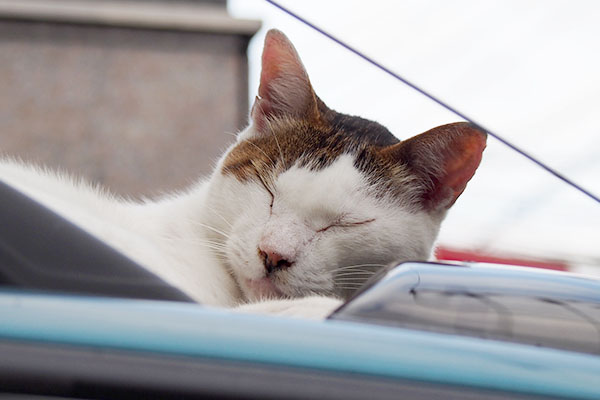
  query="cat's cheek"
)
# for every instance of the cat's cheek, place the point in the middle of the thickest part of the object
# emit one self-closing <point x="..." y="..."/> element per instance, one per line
<point x="243" y="256"/>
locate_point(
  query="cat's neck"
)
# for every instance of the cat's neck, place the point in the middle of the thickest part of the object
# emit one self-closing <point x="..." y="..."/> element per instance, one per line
<point x="188" y="228"/>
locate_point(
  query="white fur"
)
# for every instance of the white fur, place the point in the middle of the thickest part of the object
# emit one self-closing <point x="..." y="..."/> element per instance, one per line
<point x="205" y="241"/>
<point x="315" y="307"/>
<point x="306" y="202"/>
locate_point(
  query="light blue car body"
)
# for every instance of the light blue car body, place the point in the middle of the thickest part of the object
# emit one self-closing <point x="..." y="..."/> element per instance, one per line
<point x="173" y="328"/>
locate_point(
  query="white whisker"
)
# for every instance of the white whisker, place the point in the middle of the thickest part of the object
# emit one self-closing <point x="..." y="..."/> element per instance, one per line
<point x="352" y="279"/>
<point x="357" y="266"/>
<point x="218" y="215"/>
<point x="212" y="229"/>
<point x="219" y="248"/>
<point x="216" y="250"/>
<point x="352" y="273"/>
<point x="194" y="240"/>
<point x="207" y="244"/>
<point x="349" y="287"/>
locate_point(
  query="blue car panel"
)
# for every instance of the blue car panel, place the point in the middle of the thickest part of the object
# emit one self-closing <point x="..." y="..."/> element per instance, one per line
<point x="171" y="328"/>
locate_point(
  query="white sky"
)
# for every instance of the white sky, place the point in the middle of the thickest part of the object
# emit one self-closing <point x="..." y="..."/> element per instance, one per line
<point x="527" y="70"/>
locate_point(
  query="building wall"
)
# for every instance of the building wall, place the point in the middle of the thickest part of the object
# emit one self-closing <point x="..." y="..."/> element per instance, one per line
<point x="140" y="108"/>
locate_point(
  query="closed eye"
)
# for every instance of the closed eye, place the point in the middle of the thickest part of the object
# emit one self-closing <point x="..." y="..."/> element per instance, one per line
<point x="267" y="189"/>
<point x="342" y="224"/>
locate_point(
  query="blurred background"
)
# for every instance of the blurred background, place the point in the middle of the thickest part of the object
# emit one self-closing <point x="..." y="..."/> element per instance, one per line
<point x="144" y="95"/>
<point x="141" y="95"/>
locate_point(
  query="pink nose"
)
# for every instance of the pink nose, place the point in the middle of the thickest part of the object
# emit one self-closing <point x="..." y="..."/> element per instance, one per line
<point x="273" y="261"/>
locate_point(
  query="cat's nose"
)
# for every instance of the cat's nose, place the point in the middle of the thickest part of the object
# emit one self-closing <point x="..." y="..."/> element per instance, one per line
<point x="273" y="261"/>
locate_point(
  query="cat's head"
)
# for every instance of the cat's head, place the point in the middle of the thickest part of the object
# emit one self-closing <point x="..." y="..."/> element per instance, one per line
<point x="315" y="200"/>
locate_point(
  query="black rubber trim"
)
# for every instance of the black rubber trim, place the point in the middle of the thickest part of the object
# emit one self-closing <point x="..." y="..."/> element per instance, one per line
<point x="42" y="251"/>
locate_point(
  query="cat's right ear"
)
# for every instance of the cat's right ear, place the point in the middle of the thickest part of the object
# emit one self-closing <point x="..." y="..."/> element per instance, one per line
<point x="285" y="90"/>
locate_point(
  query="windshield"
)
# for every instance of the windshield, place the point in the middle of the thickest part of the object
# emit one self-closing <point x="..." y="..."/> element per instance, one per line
<point x="521" y="305"/>
<point x="522" y="69"/>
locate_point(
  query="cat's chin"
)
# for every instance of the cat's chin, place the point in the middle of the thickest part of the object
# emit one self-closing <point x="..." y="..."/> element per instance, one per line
<point x="263" y="288"/>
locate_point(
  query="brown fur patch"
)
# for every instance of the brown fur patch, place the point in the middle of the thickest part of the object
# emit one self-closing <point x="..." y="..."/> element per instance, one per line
<point x="287" y="141"/>
<point x="413" y="172"/>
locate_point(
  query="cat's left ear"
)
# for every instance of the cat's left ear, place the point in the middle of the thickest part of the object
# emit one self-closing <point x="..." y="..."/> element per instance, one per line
<point x="443" y="160"/>
<point x="285" y="89"/>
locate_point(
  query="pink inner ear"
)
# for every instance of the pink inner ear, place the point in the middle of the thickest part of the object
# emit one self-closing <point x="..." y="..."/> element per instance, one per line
<point x="444" y="158"/>
<point x="284" y="85"/>
<point x="462" y="162"/>
<point x="278" y="54"/>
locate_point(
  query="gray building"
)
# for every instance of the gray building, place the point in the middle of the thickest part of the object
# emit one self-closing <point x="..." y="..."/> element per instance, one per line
<point x="141" y="96"/>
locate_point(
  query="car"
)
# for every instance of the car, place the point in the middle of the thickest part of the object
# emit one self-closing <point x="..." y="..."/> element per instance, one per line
<point x="89" y="323"/>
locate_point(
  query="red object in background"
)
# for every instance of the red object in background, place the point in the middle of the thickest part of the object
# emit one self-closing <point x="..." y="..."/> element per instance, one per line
<point x="444" y="253"/>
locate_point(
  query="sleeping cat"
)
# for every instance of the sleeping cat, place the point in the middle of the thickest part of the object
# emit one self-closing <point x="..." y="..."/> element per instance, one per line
<point x="298" y="213"/>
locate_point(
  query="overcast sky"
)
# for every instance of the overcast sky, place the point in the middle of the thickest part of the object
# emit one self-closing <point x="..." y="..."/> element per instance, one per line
<point x="527" y="70"/>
